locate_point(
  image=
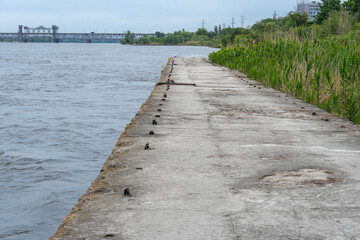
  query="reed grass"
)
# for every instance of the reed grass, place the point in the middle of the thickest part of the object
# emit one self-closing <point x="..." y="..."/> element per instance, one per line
<point x="323" y="72"/>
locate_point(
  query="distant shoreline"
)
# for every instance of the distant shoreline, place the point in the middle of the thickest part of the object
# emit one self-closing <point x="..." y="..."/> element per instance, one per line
<point x="150" y="45"/>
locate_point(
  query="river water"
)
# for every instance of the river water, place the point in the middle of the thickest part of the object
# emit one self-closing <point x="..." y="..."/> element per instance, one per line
<point x="62" y="108"/>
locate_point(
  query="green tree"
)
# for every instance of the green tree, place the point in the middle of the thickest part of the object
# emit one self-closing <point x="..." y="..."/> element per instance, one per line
<point x="352" y="6"/>
<point x="159" y="34"/>
<point x="202" y="31"/>
<point x="225" y="40"/>
<point x="154" y="39"/>
<point x="216" y="31"/>
<point x="142" y="41"/>
<point x="326" y="8"/>
<point x="238" y="31"/>
<point x="297" y="19"/>
<point x="129" y="38"/>
<point x="173" y="39"/>
<point x="261" y="26"/>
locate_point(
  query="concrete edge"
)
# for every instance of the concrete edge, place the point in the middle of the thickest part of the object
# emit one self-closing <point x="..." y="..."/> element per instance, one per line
<point x="347" y="124"/>
<point x="98" y="186"/>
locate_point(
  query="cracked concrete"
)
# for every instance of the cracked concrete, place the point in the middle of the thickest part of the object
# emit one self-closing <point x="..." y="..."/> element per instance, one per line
<point x="218" y="150"/>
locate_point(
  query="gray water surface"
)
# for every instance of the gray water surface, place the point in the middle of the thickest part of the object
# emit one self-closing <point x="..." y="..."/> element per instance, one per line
<point x="62" y="108"/>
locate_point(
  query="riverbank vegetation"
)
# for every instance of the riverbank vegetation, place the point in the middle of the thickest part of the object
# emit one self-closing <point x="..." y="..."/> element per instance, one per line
<point x="318" y="61"/>
<point x="202" y="37"/>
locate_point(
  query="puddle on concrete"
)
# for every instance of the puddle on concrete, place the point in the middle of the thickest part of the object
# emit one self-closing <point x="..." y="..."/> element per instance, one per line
<point x="302" y="177"/>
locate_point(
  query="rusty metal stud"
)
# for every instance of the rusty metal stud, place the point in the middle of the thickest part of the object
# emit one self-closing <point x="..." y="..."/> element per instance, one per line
<point x="127" y="192"/>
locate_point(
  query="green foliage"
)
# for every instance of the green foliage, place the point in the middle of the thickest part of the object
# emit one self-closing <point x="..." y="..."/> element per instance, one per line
<point x="201" y="37"/>
<point x="326" y="8"/>
<point x="216" y="30"/>
<point x="297" y="19"/>
<point x="129" y="38"/>
<point x="225" y="40"/>
<point x="352" y="6"/>
<point x="318" y="62"/>
<point x="159" y="34"/>
<point x="173" y="39"/>
<point x="202" y="31"/>
<point x="324" y="72"/>
<point x="217" y="38"/>
<point x="260" y="26"/>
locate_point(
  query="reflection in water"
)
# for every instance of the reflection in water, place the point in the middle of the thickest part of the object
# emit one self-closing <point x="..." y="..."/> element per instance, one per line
<point x="62" y="108"/>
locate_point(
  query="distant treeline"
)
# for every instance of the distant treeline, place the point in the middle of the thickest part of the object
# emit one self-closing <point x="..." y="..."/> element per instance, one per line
<point x="202" y="37"/>
<point x="334" y="19"/>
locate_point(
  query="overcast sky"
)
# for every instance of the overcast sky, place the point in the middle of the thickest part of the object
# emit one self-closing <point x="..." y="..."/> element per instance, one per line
<point x="136" y="15"/>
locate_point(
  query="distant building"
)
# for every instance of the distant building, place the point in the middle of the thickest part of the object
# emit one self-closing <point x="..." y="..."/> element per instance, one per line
<point x="312" y="9"/>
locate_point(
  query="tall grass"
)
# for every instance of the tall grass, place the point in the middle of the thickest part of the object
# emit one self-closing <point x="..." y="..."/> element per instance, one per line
<point x="321" y="72"/>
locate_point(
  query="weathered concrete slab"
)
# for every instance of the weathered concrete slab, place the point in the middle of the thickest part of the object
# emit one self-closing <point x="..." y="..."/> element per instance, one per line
<point x="228" y="161"/>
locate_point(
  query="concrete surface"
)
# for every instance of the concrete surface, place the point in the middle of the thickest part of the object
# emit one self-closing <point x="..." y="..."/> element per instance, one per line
<point x="230" y="159"/>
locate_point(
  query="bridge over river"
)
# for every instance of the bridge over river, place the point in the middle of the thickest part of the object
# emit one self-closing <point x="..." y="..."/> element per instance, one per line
<point x="25" y="33"/>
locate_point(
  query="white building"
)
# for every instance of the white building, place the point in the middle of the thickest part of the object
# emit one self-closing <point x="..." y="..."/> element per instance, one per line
<point x="312" y="9"/>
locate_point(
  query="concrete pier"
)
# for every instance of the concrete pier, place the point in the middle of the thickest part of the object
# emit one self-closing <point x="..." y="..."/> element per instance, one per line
<point x="218" y="156"/>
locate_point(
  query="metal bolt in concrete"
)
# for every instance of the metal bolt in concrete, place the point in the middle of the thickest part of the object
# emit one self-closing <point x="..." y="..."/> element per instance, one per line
<point x="231" y="162"/>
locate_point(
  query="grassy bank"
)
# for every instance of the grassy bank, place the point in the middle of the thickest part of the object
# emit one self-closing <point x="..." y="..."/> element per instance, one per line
<point x="321" y="72"/>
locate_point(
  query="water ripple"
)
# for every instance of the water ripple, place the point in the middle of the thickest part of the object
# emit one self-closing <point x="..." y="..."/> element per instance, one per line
<point x="62" y="107"/>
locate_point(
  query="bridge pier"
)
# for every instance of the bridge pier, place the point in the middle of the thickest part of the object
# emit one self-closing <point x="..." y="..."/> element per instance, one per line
<point x="55" y="30"/>
<point x="87" y="40"/>
<point x="22" y="37"/>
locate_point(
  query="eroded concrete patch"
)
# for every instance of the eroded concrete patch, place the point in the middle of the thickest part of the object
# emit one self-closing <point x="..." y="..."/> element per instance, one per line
<point x="215" y="137"/>
<point x="302" y="177"/>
